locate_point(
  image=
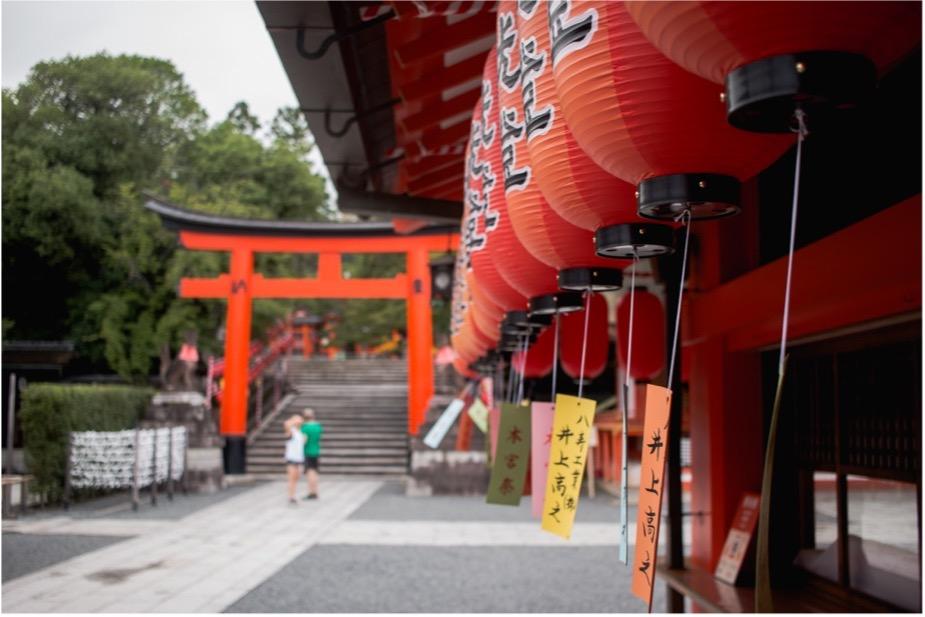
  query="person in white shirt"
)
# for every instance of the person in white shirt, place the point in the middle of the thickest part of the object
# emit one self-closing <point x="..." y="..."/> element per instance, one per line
<point x="295" y="453"/>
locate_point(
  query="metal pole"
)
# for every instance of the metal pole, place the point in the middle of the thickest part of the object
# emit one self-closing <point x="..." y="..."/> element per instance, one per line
<point x="10" y="423"/>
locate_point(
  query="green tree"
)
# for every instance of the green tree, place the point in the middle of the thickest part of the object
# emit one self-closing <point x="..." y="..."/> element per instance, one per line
<point x="81" y="258"/>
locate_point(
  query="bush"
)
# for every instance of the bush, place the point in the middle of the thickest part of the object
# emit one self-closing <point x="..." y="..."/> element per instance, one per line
<point x="50" y="412"/>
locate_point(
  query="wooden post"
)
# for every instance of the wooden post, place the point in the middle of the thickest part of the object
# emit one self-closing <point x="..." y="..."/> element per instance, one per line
<point x="154" y="466"/>
<point x="258" y="404"/>
<point x="135" y="497"/>
<point x="170" y="463"/>
<point x="67" y="471"/>
<point x="10" y="423"/>
<point x="670" y="268"/>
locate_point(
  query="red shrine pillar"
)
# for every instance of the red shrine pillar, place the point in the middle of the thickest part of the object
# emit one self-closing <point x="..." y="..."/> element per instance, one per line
<point x="233" y="425"/>
<point x="420" y="338"/>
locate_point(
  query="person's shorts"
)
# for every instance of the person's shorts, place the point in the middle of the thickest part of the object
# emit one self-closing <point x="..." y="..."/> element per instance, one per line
<point x="288" y="462"/>
<point x="311" y="462"/>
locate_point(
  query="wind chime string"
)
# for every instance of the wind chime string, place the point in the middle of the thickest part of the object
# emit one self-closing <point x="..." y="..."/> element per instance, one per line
<point x="584" y="345"/>
<point x="686" y="221"/>
<point x="624" y="465"/>
<point x="801" y="134"/>
<point x="555" y="355"/>
<point x="523" y="369"/>
<point x="510" y="380"/>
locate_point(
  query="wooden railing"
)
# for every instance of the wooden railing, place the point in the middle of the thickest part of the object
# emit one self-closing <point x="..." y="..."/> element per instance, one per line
<point x="268" y="364"/>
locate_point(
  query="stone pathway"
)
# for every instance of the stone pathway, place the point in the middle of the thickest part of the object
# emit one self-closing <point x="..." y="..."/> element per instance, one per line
<point x="344" y="552"/>
<point x="203" y="563"/>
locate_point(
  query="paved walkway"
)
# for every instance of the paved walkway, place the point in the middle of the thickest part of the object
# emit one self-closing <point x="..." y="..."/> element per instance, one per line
<point x="364" y="547"/>
<point x="203" y="564"/>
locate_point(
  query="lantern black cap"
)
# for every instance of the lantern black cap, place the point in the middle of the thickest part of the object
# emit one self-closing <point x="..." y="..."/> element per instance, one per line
<point x="593" y="278"/>
<point x="550" y="304"/>
<point x="761" y="96"/>
<point x="705" y="196"/>
<point x="645" y="239"/>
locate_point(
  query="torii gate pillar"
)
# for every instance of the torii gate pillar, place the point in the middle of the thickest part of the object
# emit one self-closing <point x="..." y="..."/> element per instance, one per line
<point x="420" y="338"/>
<point x="241" y="285"/>
<point x="233" y="423"/>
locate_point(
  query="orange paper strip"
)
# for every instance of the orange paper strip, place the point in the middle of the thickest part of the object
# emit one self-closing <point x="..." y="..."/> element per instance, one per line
<point x="651" y="487"/>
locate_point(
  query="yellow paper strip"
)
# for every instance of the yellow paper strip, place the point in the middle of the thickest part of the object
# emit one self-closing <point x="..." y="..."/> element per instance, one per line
<point x="571" y="434"/>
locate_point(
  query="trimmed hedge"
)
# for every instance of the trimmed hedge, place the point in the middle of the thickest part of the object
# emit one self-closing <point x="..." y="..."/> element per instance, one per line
<point x="50" y="411"/>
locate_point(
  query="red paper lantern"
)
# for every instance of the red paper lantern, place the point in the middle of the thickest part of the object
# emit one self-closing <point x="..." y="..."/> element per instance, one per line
<point x="823" y="56"/>
<point x="486" y="312"/>
<point x="545" y="234"/>
<point x="571" y="338"/>
<point x="574" y="186"/>
<point x="645" y="119"/>
<point x="648" y="334"/>
<point x="539" y="356"/>
<point x="523" y="272"/>
<point x="462" y="367"/>
<point x="481" y="199"/>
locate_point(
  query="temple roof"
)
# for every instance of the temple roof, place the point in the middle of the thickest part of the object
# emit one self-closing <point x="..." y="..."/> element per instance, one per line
<point x="179" y="218"/>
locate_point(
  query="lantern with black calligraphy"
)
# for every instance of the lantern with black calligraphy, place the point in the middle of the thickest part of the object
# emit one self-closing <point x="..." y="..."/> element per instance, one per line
<point x="546" y="235"/>
<point x="486" y="312"/>
<point x="774" y="57"/>
<point x="483" y="197"/>
<point x="648" y="334"/>
<point x="573" y="344"/>
<point x="537" y="361"/>
<point x="520" y="269"/>
<point x="574" y="186"/>
<point x="646" y="120"/>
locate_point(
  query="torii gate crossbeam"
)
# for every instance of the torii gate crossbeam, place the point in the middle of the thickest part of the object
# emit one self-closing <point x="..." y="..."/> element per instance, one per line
<point x="243" y="238"/>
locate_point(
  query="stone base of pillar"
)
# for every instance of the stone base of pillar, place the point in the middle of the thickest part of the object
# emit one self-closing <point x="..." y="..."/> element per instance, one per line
<point x="204" y="462"/>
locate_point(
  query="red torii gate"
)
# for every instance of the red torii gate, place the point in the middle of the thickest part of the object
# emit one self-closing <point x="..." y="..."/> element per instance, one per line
<point x="244" y="237"/>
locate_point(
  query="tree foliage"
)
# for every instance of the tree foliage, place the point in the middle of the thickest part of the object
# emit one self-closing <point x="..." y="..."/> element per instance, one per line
<point x="82" y="137"/>
<point x="82" y="260"/>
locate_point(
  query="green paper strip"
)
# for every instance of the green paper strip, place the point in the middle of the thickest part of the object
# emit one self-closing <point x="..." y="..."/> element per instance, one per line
<point x="510" y="467"/>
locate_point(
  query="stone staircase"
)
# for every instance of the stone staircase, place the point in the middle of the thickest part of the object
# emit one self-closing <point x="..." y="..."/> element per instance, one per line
<point x="362" y="404"/>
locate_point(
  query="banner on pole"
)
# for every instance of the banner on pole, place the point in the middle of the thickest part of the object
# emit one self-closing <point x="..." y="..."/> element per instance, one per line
<point x="510" y="467"/>
<point x="568" y="451"/>
<point x="541" y="416"/>
<point x="442" y="426"/>
<point x="651" y="488"/>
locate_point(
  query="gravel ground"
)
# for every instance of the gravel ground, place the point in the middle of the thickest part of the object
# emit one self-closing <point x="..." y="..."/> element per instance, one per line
<point x="390" y="504"/>
<point x="26" y="553"/>
<point x="361" y="579"/>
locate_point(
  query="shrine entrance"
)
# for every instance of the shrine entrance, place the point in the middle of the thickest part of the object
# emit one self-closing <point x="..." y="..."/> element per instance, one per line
<point x="242" y="238"/>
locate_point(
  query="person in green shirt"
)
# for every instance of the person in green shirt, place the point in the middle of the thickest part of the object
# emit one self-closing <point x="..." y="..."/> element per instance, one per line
<point x="312" y="430"/>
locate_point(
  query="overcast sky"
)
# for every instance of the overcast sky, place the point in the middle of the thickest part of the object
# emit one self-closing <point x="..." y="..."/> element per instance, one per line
<point x="222" y="48"/>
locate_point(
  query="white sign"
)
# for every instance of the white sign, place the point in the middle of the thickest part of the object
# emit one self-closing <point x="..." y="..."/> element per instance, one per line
<point x="440" y="428"/>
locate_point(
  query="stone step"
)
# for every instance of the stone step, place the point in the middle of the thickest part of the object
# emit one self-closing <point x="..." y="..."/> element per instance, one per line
<point x="329" y="461"/>
<point x="337" y="453"/>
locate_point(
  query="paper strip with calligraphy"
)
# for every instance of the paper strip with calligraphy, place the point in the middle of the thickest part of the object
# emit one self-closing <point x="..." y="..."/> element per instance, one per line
<point x="510" y="467"/>
<point x="651" y="485"/>
<point x="571" y="434"/>
<point x="541" y="437"/>
<point x="440" y="428"/>
<point x="494" y="424"/>
<point x="479" y="414"/>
